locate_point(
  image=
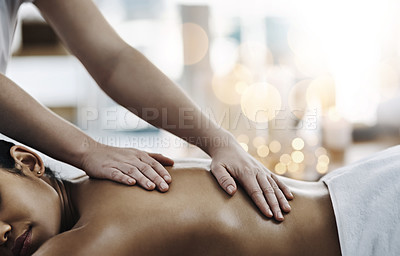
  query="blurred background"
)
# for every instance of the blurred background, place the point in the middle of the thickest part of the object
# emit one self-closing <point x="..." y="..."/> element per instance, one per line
<point x="305" y="86"/>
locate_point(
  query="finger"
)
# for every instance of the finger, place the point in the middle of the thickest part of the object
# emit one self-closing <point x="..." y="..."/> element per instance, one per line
<point x="118" y="176"/>
<point x="256" y="194"/>
<point x="136" y="174"/>
<point x="152" y="175"/>
<point x="224" y="179"/>
<point x="284" y="204"/>
<point x="269" y="194"/>
<point x="162" y="159"/>
<point x="283" y="187"/>
<point x="162" y="172"/>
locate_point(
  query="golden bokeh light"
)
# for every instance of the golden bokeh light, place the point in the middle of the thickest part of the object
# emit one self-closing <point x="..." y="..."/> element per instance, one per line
<point x="229" y="88"/>
<point x="298" y="144"/>
<point x="242" y="73"/>
<point x="263" y="151"/>
<point x="280" y="168"/>
<point x="261" y="102"/>
<point x="323" y="159"/>
<point x="240" y="87"/>
<point x="195" y="43"/>
<point x="320" y="151"/>
<point x="244" y="146"/>
<point x="259" y="141"/>
<point x="285" y="159"/>
<point x="322" y="168"/>
<point x="224" y="89"/>
<point x="297" y="98"/>
<point x="297" y="156"/>
<point x="275" y="146"/>
<point x="321" y="91"/>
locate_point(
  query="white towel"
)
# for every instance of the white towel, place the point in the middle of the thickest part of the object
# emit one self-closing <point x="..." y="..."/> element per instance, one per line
<point x="366" y="201"/>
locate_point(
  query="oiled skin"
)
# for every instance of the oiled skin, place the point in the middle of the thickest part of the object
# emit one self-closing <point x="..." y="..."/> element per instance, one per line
<point x="196" y="217"/>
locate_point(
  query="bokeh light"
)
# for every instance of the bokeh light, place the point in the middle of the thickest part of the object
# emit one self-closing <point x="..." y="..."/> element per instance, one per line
<point x="285" y="159"/>
<point x="322" y="168"/>
<point x="259" y="141"/>
<point x="320" y="151"/>
<point x="297" y="98"/>
<point x="323" y="159"/>
<point x="297" y="156"/>
<point x="321" y="91"/>
<point x="195" y="42"/>
<point x="298" y="144"/>
<point x="263" y="151"/>
<point x="240" y="87"/>
<point x="261" y="102"/>
<point x="229" y="88"/>
<point x="275" y="146"/>
<point x="280" y="168"/>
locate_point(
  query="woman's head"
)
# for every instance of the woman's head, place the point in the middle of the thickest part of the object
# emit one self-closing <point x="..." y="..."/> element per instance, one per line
<point x="30" y="209"/>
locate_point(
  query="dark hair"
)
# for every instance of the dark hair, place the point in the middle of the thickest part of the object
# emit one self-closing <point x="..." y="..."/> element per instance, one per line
<point x="8" y="163"/>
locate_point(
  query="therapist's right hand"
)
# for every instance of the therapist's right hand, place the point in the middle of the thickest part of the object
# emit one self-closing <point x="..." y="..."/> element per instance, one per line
<point x="128" y="166"/>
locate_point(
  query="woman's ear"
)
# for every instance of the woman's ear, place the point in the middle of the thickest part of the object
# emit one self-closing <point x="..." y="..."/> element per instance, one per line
<point x="25" y="158"/>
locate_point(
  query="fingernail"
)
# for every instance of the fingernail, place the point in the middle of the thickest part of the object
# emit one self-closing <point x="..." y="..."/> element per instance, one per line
<point x="290" y="193"/>
<point x="131" y="181"/>
<point x="167" y="178"/>
<point x="280" y="215"/>
<point x="270" y="213"/>
<point x="230" y="189"/>
<point x="288" y="206"/>
<point x="149" y="184"/>
<point x="163" y="186"/>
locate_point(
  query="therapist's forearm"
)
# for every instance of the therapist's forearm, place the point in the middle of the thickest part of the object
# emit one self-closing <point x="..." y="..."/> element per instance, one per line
<point x="24" y="119"/>
<point x="139" y="86"/>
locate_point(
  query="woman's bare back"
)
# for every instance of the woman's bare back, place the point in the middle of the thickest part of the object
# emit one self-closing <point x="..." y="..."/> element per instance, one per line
<point x="196" y="217"/>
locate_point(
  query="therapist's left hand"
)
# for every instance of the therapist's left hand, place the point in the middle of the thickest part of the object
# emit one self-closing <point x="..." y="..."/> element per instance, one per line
<point x="128" y="166"/>
<point x="265" y="189"/>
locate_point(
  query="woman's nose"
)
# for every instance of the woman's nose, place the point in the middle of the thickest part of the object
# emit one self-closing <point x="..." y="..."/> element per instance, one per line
<point x="5" y="230"/>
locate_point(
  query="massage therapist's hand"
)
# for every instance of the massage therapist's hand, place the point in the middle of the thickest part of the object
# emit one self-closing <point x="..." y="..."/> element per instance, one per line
<point x="128" y="166"/>
<point x="265" y="189"/>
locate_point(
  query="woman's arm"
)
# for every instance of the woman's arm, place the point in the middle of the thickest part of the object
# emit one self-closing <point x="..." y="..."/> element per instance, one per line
<point x="131" y="80"/>
<point x="27" y="121"/>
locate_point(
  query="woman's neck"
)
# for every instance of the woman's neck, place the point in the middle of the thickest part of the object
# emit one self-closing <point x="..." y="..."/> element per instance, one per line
<point x="69" y="215"/>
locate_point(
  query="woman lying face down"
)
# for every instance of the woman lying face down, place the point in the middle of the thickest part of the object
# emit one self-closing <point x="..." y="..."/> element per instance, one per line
<point x="42" y="215"/>
<point x="30" y="210"/>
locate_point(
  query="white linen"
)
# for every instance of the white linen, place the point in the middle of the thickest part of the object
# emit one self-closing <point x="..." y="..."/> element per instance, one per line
<point x="8" y="22"/>
<point x="365" y="199"/>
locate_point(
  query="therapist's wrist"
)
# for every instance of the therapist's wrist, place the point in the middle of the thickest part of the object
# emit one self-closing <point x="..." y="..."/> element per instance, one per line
<point x="223" y="141"/>
<point x="85" y="147"/>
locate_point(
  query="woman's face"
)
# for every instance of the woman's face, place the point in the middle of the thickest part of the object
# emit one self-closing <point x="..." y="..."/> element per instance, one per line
<point x="30" y="212"/>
